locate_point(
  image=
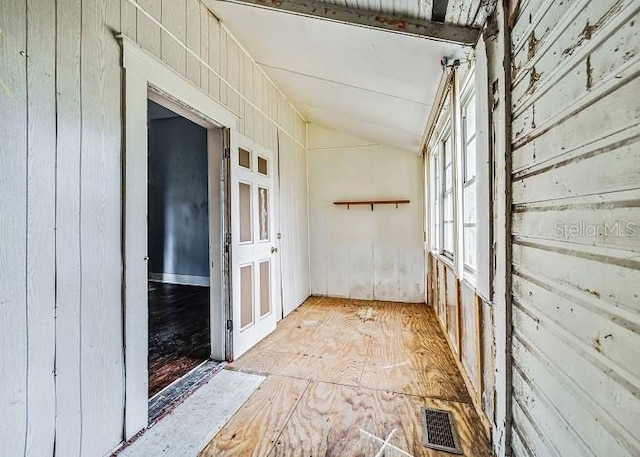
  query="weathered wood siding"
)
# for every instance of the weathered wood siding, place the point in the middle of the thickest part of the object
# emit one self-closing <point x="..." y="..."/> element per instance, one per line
<point x="576" y="228"/>
<point x="62" y="374"/>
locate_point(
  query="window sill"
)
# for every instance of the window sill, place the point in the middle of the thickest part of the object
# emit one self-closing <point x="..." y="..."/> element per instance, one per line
<point x="444" y="259"/>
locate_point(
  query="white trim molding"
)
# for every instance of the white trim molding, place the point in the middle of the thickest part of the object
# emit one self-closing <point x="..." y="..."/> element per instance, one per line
<point x="144" y="73"/>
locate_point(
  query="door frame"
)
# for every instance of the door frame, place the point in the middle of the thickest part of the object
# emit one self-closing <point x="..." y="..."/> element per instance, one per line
<point x="144" y="73"/>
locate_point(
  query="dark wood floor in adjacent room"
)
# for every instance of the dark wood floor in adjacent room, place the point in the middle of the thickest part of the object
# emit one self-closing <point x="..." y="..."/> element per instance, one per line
<point x="342" y="372"/>
<point x="179" y="337"/>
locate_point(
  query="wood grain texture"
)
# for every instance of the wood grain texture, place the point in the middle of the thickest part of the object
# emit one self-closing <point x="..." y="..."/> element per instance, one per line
<point x="251" y="434"/>
<point x="214" y="55"/>
<point x="248" y="114"/>
<point x="128" y="19"/>
<point x="308" y="409"/>
<point x="148" y="33"/>
<point x="193" y="39"/>
<point x="223" y="68"/>
<point x="203" y="52"/>
<point x="409" y="354"/>
<point x="41" y="220"/>
<point x="574" y="142"/>
<point x="174" y="19"/>
<point x="13" y="226"/>
<point x="68" y="256"/>
<point x="330" y="420"/>
<point x="102" y="343"/>
<point x="304" y="350"/>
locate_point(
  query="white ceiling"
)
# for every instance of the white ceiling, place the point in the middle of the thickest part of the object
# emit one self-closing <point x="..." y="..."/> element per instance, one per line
<point x="371" y="84"/>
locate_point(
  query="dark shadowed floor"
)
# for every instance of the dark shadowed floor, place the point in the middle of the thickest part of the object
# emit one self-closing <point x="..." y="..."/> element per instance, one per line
<point x="179" y="339"/>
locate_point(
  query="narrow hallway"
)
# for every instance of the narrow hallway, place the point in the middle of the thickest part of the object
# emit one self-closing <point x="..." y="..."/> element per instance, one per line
<point x="345" y="375"/>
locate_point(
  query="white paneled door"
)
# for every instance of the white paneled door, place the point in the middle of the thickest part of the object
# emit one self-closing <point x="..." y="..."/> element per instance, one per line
<point x="253" y="243"/>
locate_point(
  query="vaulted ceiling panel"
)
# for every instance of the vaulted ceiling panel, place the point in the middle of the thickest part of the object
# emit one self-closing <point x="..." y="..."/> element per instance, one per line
<point x="377" y="85"/>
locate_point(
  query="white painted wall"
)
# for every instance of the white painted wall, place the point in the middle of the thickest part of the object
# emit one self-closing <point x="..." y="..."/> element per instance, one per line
<point x="62" y="379"/>
<point x="293" y="224"/>
<point x="359" y="253"/>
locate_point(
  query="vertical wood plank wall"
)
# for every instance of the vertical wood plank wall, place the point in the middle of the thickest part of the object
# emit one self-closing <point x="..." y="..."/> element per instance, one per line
<point x="13" y="228"/>
<point x="467" y="321"/>
<point x="576" y="228"/>
<point x="294" y="244"/>
<point x="61" y="329"/>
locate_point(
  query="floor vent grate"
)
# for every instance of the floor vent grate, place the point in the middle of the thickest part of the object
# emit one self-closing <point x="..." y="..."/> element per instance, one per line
<point x="438" y="431"/>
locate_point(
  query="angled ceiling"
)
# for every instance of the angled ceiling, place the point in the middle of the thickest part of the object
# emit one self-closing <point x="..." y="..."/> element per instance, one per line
<point x="372" y="84"/>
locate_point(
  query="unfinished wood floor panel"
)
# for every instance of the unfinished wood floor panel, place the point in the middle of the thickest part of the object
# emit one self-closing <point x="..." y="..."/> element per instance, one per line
<point x="326" y="341"/>
<point x="334" y="357"/>
<point x="339" y="369"/>
<point x="335" y="420"/>
<point x="253" y="430"/>
<point x="416" y="362"/>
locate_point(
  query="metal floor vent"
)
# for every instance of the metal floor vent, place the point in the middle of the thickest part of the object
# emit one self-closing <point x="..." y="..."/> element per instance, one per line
<point x="439" y="431"/>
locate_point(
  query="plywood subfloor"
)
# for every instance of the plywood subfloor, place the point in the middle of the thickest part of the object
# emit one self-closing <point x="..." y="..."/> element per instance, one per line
<point x="339" y="371"/>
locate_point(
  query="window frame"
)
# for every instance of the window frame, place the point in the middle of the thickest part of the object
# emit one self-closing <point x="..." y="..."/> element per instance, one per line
<point x="448" y="138"/>
<point x="468" y="95"/>
<point x="444" y="130"/>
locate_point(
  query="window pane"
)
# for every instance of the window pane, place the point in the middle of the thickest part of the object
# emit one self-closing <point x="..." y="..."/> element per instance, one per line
<point x="448" y="222"/>
<point x="435" y="206"/>
<point x="470" y="220"/>
<point x="470" y="246"/>
<point x="470" y="160"/>
<point x="448" y="236"/>
<point x="246" y="295"/>
<point x="470" y="117"/>
<point x="448" y="207"/>
<point x="469" y="204"/>
<point x="263" y="202"/>
<point x="263" y="167"/>
<point x="448" y="156"/>
<point x="244" y="158"/>
<point x="448" y="178"/>
<point x="265" y="288"/>
<point x="245" y="212"/>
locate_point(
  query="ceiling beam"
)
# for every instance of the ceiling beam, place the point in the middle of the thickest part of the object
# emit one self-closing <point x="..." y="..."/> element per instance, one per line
<point x="439" y="10"/>
<point x="370" y="19"/>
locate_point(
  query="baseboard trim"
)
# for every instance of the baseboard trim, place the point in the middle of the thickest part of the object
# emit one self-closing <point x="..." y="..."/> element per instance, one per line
<point x="186" y="280"/>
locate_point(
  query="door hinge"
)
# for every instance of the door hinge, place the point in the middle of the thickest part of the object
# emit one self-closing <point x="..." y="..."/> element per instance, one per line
<point x="227" y="153"/>
<point x="229" y="324"/>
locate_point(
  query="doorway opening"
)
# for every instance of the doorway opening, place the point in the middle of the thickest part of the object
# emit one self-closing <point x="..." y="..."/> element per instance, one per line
<point x="178" y="224"/>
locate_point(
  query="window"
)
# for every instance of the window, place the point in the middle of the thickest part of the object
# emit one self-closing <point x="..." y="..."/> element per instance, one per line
<point x="459" y="204"/>
<point x="469" y="182"/>
<point x="435" y="206"/>
<point x="447" y="196"/>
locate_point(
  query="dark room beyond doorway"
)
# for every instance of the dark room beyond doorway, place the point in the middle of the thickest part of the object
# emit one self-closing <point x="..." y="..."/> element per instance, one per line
<point x="178" y="247"/>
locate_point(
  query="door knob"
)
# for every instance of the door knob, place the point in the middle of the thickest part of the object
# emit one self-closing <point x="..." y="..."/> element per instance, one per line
<point x="145" y="258"/>
<point x="274" y="249"/>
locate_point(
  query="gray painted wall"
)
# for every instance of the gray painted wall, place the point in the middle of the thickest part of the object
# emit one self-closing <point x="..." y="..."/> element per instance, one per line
<point x="178" y="201"/>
